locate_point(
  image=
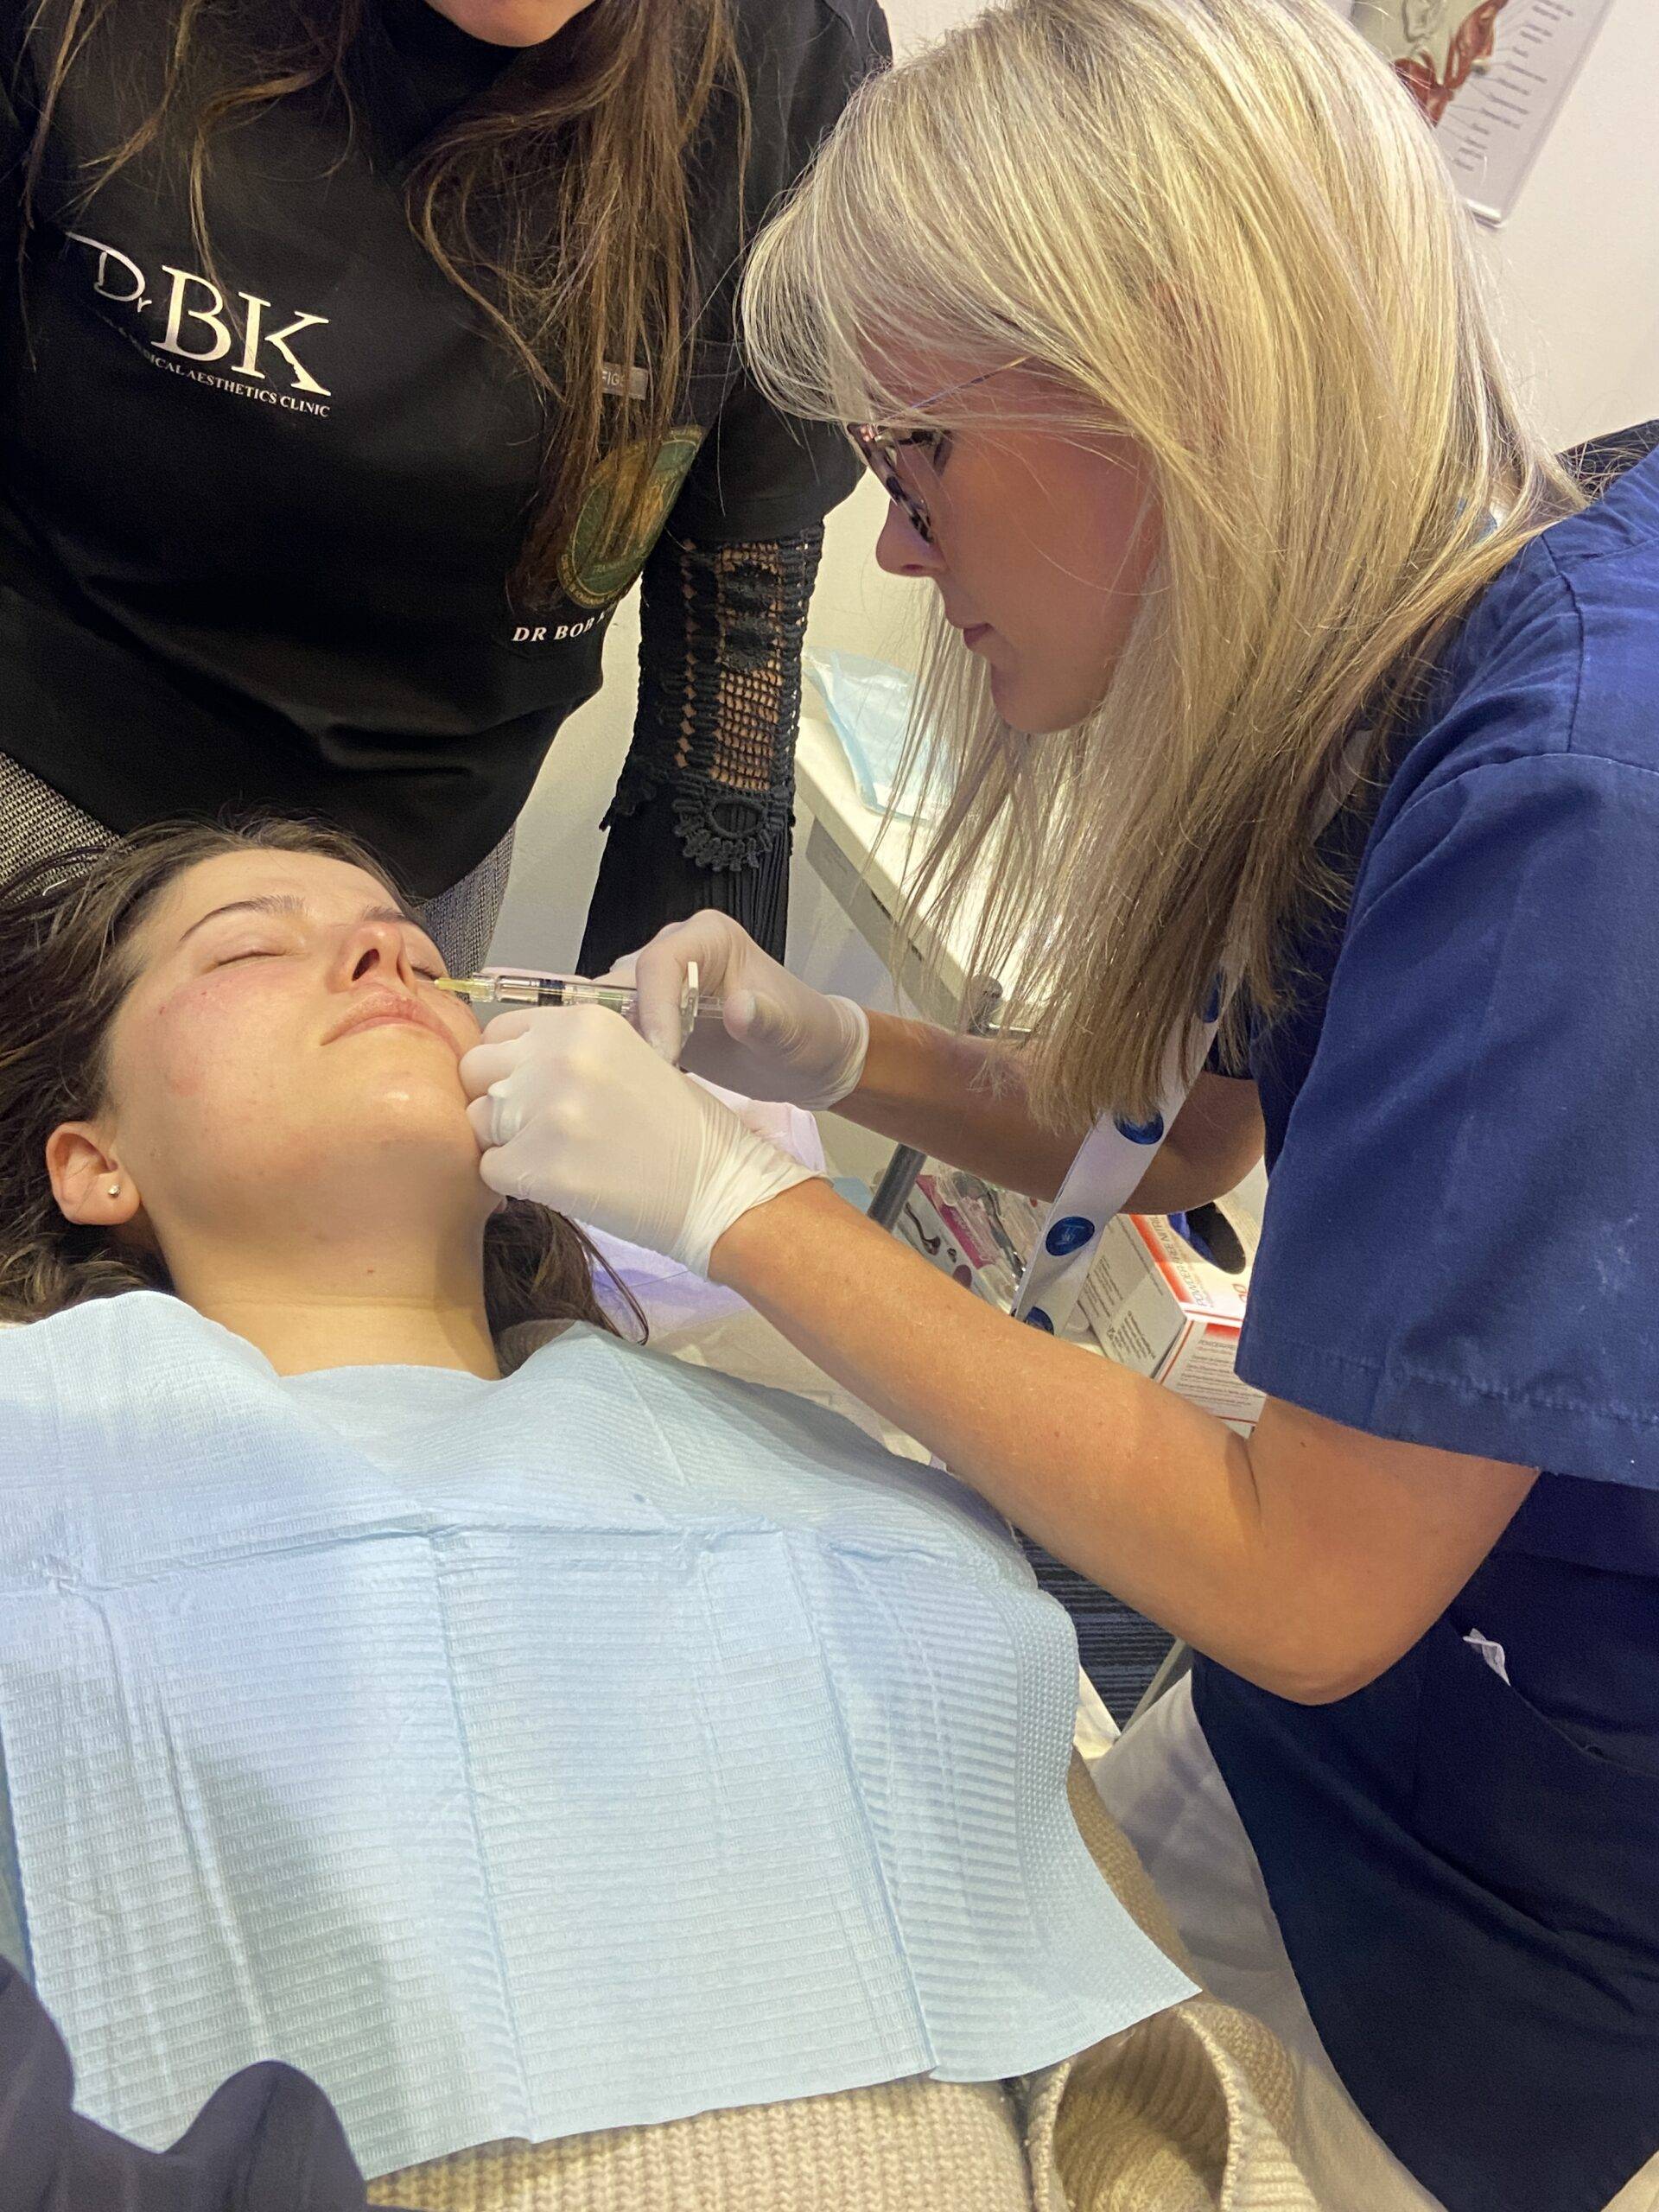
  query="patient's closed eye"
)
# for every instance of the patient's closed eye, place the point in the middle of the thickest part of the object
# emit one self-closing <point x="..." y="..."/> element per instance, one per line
<point x="276" y="951"/>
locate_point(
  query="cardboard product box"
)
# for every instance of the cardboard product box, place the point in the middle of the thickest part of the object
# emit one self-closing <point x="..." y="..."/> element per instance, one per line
<point x="1156" y="1306"/>
<point x="1151" y="1301"/>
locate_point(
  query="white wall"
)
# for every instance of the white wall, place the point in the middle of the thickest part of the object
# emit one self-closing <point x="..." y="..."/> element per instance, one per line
<point x="1577" y="265"/>
<point x="1577" y="270"/>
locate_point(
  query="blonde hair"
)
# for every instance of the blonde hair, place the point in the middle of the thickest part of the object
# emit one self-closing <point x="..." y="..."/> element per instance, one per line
<point x="1221" y="227"/>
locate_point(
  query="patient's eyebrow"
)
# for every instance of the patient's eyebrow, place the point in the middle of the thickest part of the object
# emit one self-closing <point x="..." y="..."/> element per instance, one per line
<point x="286" y="902"/>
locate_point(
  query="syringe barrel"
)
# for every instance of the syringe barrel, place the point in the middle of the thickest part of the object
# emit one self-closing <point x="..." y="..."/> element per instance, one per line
<point x="528" y="987"/>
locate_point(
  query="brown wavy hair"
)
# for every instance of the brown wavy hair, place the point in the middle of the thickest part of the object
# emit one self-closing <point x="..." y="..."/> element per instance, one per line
<point x="67" y="927"/>
<point x="558" y="200"/>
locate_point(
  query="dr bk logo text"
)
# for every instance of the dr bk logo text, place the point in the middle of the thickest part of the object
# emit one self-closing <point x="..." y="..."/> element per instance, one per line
<point x="201" y="329"/>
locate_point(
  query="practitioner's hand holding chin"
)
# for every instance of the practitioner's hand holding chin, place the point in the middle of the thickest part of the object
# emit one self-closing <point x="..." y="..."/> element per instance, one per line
<point x="574" y="1109"/>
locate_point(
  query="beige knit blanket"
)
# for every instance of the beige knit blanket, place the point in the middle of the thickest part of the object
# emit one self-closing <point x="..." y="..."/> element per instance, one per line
<point x="1189" y="2112"/>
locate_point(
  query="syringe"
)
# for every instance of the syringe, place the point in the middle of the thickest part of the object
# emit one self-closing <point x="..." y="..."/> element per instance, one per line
<point x="532" y="986"/>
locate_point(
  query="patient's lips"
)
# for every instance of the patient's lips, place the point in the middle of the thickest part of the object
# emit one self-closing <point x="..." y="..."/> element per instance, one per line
<point x="377" y="1009"/>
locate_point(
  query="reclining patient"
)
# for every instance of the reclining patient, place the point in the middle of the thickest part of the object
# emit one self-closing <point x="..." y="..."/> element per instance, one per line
<point x="529" y="1755"/>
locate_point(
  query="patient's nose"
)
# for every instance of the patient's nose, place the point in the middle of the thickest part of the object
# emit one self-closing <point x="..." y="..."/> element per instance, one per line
<point x="374" y="947"/>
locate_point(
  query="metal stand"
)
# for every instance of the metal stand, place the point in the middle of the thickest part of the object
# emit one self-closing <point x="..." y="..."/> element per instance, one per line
<point x="899" y="1176"/>
<point x="898" y="1181"/>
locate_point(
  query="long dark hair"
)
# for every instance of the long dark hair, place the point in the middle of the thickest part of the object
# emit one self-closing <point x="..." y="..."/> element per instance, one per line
<point x="66" y="926"/>
<point x="558" y="201"/>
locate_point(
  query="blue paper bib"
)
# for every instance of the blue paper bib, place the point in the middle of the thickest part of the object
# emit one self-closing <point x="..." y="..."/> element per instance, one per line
<point x="600" y="1745"/>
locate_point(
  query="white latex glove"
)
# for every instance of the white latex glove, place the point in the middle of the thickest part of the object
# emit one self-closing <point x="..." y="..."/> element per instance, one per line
<point x="780" y="1039"/>
<point x="571" y="1107"/>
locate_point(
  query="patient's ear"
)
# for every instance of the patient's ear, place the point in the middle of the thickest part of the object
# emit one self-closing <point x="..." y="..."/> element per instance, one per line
<point x="90" y="1188"/>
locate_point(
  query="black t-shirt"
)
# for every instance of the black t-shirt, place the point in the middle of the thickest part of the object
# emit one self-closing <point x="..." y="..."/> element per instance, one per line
<point x="260" y="554"/>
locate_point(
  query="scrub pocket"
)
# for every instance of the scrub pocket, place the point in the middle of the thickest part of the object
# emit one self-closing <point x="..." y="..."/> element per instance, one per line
<point x="1563" y="1834"/>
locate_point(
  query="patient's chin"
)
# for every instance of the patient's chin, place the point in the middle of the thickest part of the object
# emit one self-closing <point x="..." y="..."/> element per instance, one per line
<point x="404" y="1141"/>
<point x="414" y="1123"/>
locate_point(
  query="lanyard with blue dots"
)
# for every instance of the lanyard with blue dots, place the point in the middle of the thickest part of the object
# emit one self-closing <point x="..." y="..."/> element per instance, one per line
<point x="1116" y="1153"/>
<point x="1101" y="1181"/>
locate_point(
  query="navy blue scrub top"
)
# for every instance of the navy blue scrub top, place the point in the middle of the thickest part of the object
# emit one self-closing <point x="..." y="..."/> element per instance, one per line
<point x="1461" y="1249"/>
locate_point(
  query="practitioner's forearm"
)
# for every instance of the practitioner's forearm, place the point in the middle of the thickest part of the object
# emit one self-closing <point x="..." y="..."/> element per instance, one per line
<point x="963" y="1099"/>
<point x="1131" y="1484"/>
<point x="959" y="1099"/>
<point x="1307" y="1559"/>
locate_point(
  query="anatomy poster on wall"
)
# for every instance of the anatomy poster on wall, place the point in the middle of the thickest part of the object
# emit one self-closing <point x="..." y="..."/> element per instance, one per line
<point x="1490" y="74"/>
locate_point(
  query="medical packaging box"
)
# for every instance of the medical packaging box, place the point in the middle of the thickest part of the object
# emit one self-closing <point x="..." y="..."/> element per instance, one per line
<point x="1159" y="1307"/>
<point x="1151" y="1301"/>
<point x="950" y="1219"/>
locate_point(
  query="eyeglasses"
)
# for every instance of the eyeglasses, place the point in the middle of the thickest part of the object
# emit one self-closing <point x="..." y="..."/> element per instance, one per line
<point x="907" y="463"/>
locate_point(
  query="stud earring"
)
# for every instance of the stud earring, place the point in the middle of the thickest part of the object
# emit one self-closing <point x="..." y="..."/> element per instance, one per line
<point x="115" y="1190"/>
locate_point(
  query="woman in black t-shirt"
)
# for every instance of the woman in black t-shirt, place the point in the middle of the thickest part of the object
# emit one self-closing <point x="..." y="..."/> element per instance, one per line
<point x="355" y="357"/>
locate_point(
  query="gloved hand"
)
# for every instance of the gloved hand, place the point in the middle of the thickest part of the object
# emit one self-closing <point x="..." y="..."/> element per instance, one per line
<point x="572" y="1106"/>
<point x="780" y="1038"/>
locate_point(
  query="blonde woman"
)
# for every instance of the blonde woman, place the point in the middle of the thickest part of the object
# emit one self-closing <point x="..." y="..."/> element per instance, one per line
<point x="1273" y="648"/>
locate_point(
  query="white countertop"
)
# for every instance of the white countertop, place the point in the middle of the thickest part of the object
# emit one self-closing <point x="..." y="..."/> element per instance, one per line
<point x="862" y="857"/>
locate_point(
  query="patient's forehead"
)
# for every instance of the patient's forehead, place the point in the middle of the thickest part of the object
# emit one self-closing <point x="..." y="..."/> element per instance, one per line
<point x="334" y="890"/>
